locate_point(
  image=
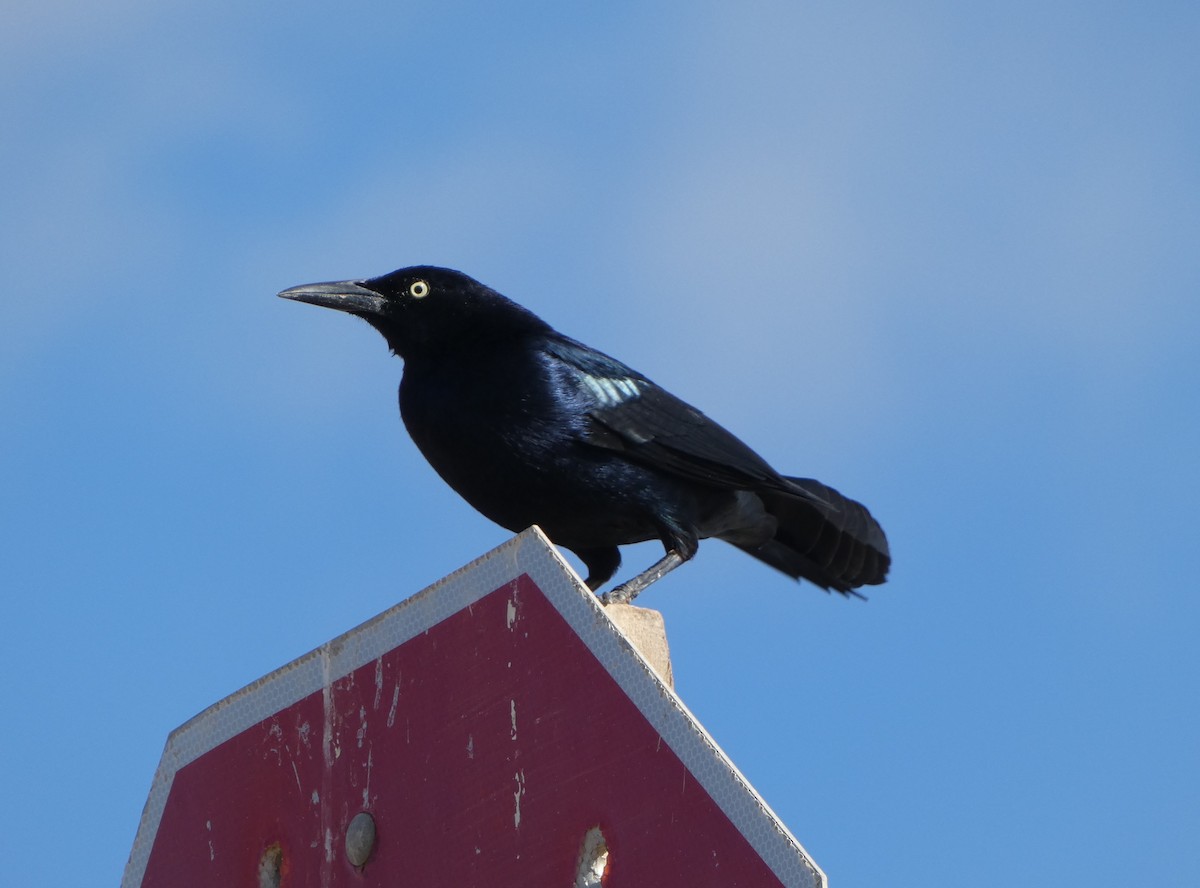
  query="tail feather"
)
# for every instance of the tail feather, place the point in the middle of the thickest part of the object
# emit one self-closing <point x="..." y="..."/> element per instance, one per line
<point x="823" y="537"/>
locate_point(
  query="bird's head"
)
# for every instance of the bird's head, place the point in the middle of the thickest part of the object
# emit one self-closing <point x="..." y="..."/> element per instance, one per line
<point x="424" y="309"/>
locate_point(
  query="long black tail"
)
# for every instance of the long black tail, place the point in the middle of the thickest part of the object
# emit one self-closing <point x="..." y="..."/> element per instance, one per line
<point x="824" y="537"/>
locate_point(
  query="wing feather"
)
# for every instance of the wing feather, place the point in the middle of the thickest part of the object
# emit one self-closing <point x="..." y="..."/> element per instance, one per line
<point x="629" y="412"/>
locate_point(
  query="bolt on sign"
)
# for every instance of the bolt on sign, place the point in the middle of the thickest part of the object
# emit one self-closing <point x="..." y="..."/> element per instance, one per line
<point x="495" y="729"/>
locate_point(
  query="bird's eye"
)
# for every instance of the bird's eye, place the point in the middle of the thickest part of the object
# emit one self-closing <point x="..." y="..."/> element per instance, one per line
<point x="418" y="289"/>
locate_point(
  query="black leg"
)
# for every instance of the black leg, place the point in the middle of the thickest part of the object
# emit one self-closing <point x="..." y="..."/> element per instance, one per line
<point x="601" y="564"/>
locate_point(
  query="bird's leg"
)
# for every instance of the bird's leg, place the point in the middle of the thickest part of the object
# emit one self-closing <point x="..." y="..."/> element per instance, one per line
<point x="630" y="589"/>
<point x="601" y="563"/>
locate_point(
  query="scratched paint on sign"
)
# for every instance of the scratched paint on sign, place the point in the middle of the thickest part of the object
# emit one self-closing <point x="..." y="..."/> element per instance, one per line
<point x="485" y="756"/>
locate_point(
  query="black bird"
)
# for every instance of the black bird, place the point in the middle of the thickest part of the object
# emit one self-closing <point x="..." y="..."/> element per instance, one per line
<point x="532" y="427"/>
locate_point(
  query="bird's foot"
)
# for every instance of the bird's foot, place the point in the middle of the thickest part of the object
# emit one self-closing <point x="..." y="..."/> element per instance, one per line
<point x="631" y="589"/>
<point x="621" y="594"/>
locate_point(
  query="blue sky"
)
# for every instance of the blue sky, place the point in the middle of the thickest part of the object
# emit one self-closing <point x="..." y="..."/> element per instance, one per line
<point x="942" y="258"/>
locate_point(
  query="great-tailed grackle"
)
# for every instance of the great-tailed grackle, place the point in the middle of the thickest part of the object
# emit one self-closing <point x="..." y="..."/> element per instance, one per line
<point x="532" y="427"/>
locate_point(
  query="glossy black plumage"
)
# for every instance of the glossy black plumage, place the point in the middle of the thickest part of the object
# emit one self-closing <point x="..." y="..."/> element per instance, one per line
<point x="532" y="427"/>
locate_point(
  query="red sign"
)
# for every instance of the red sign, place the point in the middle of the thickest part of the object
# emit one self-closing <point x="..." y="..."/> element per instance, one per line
<point x="495" y="729"/>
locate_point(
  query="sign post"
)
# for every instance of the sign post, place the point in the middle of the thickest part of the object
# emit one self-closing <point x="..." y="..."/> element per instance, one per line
<point x="495" y="729"/>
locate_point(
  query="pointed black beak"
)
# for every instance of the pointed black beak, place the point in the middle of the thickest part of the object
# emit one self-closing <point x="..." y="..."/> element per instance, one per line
<point x="343" y="295"/>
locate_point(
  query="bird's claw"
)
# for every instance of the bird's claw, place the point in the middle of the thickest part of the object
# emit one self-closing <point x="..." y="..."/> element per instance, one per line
<point x="630" y="589"/>
<point x="622" y="594"/>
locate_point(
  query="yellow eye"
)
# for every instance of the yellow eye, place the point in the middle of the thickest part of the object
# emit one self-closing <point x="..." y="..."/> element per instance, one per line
<point x="418" y="289"/>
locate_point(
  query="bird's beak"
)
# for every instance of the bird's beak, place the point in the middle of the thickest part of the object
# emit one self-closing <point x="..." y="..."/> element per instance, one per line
<point x="343" y="295"/>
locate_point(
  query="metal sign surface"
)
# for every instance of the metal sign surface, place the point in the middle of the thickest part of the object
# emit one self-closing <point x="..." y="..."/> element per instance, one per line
<point x="497" y="728"/>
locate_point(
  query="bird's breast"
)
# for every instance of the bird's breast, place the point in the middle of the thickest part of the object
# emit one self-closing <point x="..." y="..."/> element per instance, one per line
<point x="478" y="428"/>
<point x="514" y="446"/>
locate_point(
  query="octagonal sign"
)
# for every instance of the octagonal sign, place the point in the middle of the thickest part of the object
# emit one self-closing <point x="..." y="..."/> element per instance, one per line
<point x="496" y="729"/>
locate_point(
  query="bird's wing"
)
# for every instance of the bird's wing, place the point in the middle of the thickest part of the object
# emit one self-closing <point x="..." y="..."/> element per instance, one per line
<point x="628" y="412"/>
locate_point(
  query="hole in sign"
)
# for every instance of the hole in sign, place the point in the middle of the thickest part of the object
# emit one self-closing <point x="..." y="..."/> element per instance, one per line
<point x="270" y="866"/>
<point x="593" y="860"/>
